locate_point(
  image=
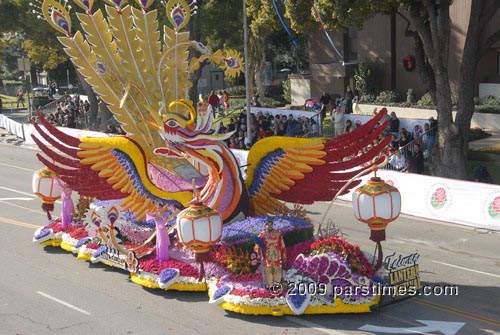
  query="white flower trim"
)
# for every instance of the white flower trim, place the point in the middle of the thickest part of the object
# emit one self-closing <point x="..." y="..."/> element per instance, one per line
<point x="68" y="239"/>
<point x="86" y="251"/>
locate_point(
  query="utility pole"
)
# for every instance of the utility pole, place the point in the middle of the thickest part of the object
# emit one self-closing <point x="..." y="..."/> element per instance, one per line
<point x="247" y="79"/>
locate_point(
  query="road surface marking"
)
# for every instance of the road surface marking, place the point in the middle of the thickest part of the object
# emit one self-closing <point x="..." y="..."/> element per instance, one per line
<point x="449" y="328"/>
<point x="25" y="208"/>
<point x="21" y="192"/>
<point x="467" y="269"/>
<point x="18" y="167"/>
<point x="18" y="223"/>
<point x="313" y="325"/>
<point x="63" y="303"/>
<point x="19" y="198"/>
<point x="16" y="191"/>
<point x="456" y="311"/>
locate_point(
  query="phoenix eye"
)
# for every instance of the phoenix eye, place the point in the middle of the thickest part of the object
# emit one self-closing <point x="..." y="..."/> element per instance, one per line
<point x="172" y="123"/>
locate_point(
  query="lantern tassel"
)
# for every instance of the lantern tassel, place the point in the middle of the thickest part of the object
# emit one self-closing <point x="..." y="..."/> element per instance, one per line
<point x="378" y="258"/>
<point x="48" y="208"/>
<point x="200" y="258"/>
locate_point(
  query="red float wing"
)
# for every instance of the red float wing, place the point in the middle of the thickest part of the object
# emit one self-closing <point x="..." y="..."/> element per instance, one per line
<point x="304" y="170"/>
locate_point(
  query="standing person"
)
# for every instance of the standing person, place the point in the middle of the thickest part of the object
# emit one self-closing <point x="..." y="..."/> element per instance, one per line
<point x="213" y="101"/>
<point x="273" y="253"/>
<point x="394" y="126"/>
<point x="324" y="101"/>
<point x="338" y="119"/>
<point x="20" y="97"/>
<point x="255" y="100"/>
<point x="225" y="97"/>
<point x="418" y="159"/>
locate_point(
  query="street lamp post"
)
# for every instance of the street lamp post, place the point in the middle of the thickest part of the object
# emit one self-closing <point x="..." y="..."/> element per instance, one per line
<point x="247" y="78"/>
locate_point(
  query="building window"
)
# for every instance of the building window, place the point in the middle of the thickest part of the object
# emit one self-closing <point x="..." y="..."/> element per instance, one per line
<point x="498" y="62"/>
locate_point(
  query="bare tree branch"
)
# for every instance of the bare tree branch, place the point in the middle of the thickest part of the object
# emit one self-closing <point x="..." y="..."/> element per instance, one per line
<point x="488" y="13"/>
<point x="488" y="44"/>
<point x="423" y="31"/>
<point x="445" y="26"/>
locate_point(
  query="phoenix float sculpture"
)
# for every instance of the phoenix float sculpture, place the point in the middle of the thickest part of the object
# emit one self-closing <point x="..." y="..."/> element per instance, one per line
<point x="143" y="76"/>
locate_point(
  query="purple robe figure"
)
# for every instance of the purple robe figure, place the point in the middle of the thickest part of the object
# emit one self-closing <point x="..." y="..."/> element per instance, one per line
<point x="162" y="238"/>
<point x="68" y="208"/>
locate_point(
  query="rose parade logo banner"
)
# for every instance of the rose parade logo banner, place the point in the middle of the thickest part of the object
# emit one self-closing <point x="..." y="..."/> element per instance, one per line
<point x="491" y="208"/>
<point x="438" y="198"/>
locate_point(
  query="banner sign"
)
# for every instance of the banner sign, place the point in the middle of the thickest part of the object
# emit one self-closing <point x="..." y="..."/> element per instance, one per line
<point x="404" y="274"/>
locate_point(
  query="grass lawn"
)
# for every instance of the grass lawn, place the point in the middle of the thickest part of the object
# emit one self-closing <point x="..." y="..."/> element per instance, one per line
<point x="493" y="169"/>
<point x="7" y="100"/>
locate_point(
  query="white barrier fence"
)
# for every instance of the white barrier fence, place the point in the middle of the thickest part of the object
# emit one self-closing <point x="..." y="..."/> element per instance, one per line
<point x="12" y="126"/>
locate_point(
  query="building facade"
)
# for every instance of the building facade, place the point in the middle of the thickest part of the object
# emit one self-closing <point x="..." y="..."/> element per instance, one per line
<point x="383" y="39"/>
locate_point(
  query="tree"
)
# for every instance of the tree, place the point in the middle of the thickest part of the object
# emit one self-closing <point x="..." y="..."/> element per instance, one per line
<point x="432" y="26"/>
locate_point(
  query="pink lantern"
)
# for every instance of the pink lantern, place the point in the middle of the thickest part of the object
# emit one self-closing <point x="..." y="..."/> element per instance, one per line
<point x="45" y="187"/>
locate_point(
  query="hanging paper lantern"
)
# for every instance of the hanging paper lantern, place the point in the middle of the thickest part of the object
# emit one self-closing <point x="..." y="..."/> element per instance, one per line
<point x="199" y="227"/>
<point x="376" y="204"/>
<point x="45" y="187"/>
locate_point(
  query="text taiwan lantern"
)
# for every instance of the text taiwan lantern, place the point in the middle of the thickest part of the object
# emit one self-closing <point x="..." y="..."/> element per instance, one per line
<point x="199" y="227"/>
<point x="45" y="187"/>
<point x="376" y="204"/>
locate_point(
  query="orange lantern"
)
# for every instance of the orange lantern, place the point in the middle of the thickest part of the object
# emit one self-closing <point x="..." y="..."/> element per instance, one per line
<point x="376" y="204"/>
<point x="45" y="187"/>
<point x="199" y="227"/>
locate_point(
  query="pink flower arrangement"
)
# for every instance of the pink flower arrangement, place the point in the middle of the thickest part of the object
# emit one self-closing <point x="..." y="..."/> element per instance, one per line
<point x="77" y="232"/>
<point x="257" y="293"/>
<point x="299" y="248"/>
<point x="56" y="226"/>
<point x="150" y="264"/>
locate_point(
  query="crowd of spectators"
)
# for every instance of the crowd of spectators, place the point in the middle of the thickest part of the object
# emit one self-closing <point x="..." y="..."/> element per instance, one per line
<point x="67" y="112"/>
<point x="265" y="125"/>
<point x="409" y="149"/>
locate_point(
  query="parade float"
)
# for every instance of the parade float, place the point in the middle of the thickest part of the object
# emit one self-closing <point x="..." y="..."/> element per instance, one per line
<point x="167" y="202"/>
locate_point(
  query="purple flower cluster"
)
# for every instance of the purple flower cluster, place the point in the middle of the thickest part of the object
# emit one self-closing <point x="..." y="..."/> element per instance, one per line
<point x="42" y="233"/>
<point x="167" y="275"/>
<point x="82" y="241"/>
<point x="296" y="299"/>
<point x="222" y="291"/>
<point x="101" y="250"/>
<point x="334" y="270"/>
<point x="246" y="229"/>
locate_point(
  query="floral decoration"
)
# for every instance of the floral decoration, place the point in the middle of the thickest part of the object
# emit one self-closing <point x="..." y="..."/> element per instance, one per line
<point x="296" y="301"/>
<point x="349" y="252"/>
<point x="167" y="277"/>
<point x="219" y="294"/>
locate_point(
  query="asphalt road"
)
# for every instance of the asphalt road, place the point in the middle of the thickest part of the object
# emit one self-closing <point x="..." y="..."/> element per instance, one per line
<point x="47" y="291"/>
